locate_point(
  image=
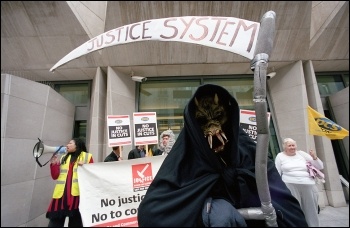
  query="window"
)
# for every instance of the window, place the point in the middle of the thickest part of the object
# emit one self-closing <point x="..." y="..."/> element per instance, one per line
<point x="331" y="83"/>
<point x="78" y="94"/>
<point x="240" y="88"/>
<point x="80" y="130"/>
<point x="169" y="96"/>
<point x="168" y="100"/>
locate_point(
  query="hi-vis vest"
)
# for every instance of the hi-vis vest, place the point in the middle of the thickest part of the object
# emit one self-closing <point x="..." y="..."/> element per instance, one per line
<point x="61" y="180"/>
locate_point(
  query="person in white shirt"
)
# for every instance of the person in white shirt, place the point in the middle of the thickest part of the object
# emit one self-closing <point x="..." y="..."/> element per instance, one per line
<point x="291" y="165"/>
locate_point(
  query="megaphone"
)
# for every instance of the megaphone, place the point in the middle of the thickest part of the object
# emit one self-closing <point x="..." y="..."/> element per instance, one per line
<point x="40" y="148"/>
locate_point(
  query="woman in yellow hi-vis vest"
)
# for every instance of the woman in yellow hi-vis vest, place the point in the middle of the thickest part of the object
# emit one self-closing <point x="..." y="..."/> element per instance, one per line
<point x="65" y="199"/>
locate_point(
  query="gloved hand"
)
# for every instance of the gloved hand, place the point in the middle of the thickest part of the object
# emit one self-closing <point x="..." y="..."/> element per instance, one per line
<point x="221" y="213"/>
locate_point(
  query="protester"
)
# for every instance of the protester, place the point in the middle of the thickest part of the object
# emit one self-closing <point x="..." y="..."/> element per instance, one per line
<point x="291" y="165"/>
<point x="65" y="200"/>
<point x="114" y="155"/>
<point x="138" y="152"/>
<point x="167" y="140"/>
<point x="210" y="172"/>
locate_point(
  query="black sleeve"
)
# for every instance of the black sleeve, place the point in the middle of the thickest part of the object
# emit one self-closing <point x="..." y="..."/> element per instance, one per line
<point x="131" y="155"/>
<point x="107" y="159"/>
<point x="157" y="152"/>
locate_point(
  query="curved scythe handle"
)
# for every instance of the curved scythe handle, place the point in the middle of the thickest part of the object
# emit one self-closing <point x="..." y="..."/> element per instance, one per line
<point x="259" y="65"/>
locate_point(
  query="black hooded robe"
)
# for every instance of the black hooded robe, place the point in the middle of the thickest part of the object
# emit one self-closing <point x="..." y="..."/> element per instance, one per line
<point x="192" y="172"/>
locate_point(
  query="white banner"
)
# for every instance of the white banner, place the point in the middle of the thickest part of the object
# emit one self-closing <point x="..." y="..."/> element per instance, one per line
<point x="110" y="192"/>
<point x="248" y="123"/>
<point x="226" y="33"/>
<point x="118" y="128"/>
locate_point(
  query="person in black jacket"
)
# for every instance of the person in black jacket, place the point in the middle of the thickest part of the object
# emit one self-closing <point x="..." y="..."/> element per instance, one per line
<point x="138" y="152"/>
<point x="114" y="155"/>
<point x="211" y="171"/>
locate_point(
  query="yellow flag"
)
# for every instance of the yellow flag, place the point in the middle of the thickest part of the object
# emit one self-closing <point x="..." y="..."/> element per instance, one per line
<point x="322" y="126"/>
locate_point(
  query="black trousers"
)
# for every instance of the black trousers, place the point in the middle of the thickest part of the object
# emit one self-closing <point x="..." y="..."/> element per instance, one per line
<point x="74" y="221"/>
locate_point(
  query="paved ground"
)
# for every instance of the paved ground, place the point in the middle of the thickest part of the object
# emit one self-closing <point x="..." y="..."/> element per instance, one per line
<point x="334" y="217"/>
<point x="329" y="217"/>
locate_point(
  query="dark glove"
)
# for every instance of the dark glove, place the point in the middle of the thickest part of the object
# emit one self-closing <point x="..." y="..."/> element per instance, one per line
<point x="220" y="213"/>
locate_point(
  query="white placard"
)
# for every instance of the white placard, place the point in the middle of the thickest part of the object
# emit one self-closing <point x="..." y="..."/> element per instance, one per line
<point x="118" y="127"/>
<point x="248" y="123"/>
<point x="145" y="128"/>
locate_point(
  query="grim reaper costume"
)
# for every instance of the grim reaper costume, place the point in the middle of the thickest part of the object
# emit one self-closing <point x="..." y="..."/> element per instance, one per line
<point x="205" y="165"/>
